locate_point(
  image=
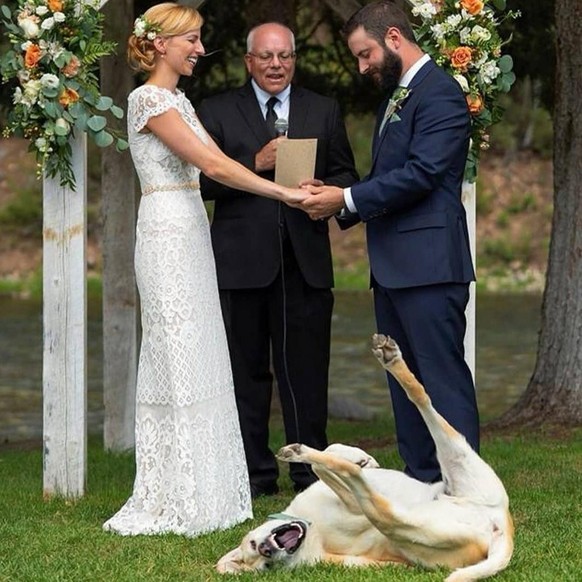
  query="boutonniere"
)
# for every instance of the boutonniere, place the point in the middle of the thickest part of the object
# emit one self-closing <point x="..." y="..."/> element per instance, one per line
<point x="394" y="104"/>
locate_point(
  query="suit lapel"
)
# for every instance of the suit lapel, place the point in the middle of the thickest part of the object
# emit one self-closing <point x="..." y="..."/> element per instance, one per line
<point x="297" y="112"/>
<point x="414" y="84"/>
<point x="251" y="112"/>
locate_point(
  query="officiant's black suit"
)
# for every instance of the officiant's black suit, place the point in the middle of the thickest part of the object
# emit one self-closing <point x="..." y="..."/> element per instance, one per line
<point x="275" y="277"/>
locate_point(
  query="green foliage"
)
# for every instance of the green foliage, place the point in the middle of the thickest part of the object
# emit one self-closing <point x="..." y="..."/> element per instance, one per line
<point x="51" y="63"/>
<point x="60" y="541"/>
<point x="505" y="249"/>
<point x="24" y="211"/>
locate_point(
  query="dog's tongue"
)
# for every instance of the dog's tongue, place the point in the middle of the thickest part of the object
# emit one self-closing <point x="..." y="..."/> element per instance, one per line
<point x="288" y="539"/>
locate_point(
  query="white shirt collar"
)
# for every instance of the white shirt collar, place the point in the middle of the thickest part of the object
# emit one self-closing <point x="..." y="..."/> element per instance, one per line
<point x="406" y="79"/>
<point x="263" y="97"/>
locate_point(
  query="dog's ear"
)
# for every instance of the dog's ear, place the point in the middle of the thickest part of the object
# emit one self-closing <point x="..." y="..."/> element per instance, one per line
<point x="231" y="563"/>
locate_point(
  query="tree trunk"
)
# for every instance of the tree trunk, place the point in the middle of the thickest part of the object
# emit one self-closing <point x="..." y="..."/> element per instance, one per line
<point x="554" y="393"/>
<point x="119" y="290"/>
<point x="344" y="8"/>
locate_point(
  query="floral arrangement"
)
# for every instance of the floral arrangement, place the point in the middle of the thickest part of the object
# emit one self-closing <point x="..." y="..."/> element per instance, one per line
<point x="462" y="37"/>
<point x="142" y="27"/>
<point x="55" y="50"/>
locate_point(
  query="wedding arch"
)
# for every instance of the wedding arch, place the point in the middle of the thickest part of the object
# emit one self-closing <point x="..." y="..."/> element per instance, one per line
<point x="446" y="26"/>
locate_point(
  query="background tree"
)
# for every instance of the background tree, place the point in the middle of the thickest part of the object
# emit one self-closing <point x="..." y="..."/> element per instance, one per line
<point x="555" y="390"/>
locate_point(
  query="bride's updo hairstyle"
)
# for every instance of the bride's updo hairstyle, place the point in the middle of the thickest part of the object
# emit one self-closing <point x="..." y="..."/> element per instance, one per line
<point x="166" y="19"/>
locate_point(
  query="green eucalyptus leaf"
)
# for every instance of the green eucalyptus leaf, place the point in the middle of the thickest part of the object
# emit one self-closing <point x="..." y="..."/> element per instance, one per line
<point x="103" y="139"/>
<point x="51" y="109"/>
<point x="117" y="111"/>
<point x="97" y="123"/>
<point x="499" y="4"/>
<point x="104" y="103"/>
<point x="6" y="11"/>
<point x="121" y="145"/>
<point x="61" y="60"/>
<point x="505" y="63"/>
<point x="81" y="121"/>
<point x="509" y="78"/>
<point x="50" y="92"/>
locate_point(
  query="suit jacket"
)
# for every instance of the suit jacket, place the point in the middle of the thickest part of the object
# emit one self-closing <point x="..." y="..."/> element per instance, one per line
<point x="416" y="225"/>
<point x="245" y="227"/>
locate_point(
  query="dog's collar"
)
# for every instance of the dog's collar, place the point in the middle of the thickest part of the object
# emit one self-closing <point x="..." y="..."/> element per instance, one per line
<point x="286" y="516"/>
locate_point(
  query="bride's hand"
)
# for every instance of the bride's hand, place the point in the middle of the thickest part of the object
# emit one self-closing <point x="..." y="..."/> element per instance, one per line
<point x="295" y="196"/>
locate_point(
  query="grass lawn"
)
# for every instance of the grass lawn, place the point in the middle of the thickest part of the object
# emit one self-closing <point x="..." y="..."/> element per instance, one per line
<point x="63" y="541"/>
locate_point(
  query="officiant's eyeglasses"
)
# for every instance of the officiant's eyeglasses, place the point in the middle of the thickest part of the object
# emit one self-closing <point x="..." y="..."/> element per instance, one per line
<point x="268" y="57"/>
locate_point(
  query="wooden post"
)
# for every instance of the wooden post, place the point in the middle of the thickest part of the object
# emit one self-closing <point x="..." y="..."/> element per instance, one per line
<point x="65" y="331"/>
<point x="469" y="196"/>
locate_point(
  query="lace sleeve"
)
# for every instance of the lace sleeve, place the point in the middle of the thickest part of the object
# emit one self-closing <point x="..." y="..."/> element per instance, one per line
<point x="145" y="102"/>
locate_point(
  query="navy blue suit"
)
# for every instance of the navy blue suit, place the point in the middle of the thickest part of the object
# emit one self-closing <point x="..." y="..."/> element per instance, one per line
<point x="418" y="246"/>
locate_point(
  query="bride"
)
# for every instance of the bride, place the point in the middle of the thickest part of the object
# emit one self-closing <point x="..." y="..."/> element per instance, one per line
<point x="191" y="474"/>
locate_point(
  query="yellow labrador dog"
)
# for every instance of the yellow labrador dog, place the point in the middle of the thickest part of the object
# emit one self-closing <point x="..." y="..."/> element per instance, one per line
<point x="359" y="514"/>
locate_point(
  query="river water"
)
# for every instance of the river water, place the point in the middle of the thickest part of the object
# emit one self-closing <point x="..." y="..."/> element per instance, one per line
<point x="507" y="333"/>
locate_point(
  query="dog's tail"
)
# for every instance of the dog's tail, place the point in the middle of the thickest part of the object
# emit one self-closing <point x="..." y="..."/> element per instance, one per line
<point x="500" y="552"/>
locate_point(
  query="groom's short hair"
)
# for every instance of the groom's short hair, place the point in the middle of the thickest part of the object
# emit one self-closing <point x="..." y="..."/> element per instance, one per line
<point x="376" y="18"/>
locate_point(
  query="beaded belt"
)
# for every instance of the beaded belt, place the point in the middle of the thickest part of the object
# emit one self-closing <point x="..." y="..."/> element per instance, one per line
<point x="169" y="187"/>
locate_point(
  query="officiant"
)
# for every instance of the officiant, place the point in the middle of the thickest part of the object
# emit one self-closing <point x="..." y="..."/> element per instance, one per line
<point x="273" y="262"/>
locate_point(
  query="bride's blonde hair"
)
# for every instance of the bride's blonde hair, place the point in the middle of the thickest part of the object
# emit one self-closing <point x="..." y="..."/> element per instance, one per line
<point x="167" y="19"/>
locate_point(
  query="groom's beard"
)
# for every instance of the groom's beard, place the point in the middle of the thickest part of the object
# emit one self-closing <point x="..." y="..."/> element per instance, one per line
<point x="388" y="74"/>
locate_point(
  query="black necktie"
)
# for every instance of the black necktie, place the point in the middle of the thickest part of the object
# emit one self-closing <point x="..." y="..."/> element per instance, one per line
<point x="271" y="116"/>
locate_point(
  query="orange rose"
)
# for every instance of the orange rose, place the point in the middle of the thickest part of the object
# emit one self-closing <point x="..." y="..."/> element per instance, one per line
<point x="472" y="6"/>
<point x="68" y="96"/>
<point x="72" y="67"/>
<point x="475" y="103"/>
<point x="461" y="58"/>
<point x="32" y="56"/>
<point x="55" y="5"/>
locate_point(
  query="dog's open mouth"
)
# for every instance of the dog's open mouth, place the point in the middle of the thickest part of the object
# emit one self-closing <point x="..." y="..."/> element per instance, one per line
<point x="288" y="537"/>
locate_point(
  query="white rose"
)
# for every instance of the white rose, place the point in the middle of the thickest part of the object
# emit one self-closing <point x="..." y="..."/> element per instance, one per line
<point x="59" y="17"/>
<point x="48" y="23"/>
<point x="31" y="90"/>
<point x="480" y="33"/>
<point x="29" y="27"/>
<point x="41" y="10"/>
<point x="49" y="80"/>
<point x="463" y="82"/>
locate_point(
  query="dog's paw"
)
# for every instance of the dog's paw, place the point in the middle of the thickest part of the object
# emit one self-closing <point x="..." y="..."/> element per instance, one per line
<point x="385" y="349"/>
<point x="354" y="455"/>
<point x="291" y="453"/>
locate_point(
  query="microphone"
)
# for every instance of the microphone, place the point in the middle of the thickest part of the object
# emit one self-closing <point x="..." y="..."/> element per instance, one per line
<point x="281" y="126"/>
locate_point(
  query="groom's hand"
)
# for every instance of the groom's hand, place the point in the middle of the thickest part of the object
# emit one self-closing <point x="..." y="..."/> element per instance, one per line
<point x="326" y="201"/>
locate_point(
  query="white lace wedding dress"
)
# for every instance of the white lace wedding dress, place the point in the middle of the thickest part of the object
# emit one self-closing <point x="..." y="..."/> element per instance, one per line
<point x="191" y="473"/>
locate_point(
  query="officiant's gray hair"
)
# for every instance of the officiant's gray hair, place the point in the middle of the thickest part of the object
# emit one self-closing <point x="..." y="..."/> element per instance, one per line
<point x="376" y="18"/>
<point x="251" y="34"/>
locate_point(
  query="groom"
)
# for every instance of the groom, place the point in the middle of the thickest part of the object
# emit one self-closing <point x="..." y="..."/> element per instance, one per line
<point x="416" y="227"/>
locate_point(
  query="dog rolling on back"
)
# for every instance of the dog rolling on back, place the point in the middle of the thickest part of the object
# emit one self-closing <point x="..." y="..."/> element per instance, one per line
<point x="359" y="514"/>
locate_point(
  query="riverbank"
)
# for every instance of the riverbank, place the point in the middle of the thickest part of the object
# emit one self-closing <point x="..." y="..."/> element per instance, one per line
<point x="514" y="211"/>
